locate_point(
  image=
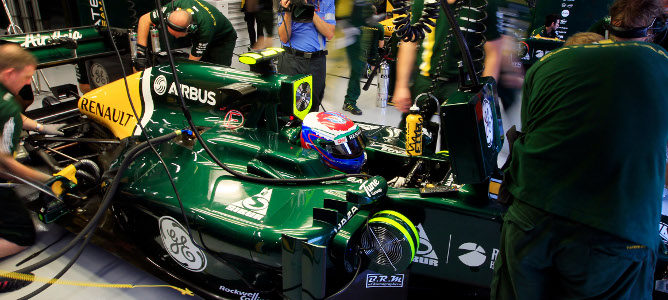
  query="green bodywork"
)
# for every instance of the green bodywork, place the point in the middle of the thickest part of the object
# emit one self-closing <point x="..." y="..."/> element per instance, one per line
<point x="45" y="45"/>
<point x="291" y="235"/>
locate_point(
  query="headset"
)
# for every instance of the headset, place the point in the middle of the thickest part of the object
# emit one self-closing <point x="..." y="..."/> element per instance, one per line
<point x="659" y="25"/>
<point x="190" y="28"/>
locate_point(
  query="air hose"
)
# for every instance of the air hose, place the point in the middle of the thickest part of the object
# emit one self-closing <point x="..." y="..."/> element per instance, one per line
<point x="106" y="201"/>
<point x="414" y="32"/>
<point x="188" y="116"/>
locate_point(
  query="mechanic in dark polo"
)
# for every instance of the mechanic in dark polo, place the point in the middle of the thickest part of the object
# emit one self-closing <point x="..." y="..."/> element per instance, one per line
<point x="16" y="228"/>
<point x="549" y="30"/>
<point x="587" y="175"/>
<point x="305" y="41"/>
<point x="212" y="33"/>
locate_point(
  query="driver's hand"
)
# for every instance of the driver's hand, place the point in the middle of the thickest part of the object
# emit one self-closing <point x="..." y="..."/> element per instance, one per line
<point x="285" y="3"/>
<point x="402" y="99"/>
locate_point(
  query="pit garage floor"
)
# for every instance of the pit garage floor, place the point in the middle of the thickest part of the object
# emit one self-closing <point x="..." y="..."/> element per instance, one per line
<point x="99" y="266"/>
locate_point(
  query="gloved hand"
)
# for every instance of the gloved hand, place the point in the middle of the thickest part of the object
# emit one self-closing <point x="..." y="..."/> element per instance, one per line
<point x="141" y="61"/>
<point x="63" y="181"/>
<point x="53" y="129"/>
<point x="381" y="51"/>
<point x="397" y="182"/>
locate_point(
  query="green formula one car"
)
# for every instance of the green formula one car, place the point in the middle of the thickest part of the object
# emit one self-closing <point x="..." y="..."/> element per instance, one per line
<point x="278" y="219"/>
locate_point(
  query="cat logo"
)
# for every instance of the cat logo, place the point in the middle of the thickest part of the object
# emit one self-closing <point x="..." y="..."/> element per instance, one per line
<point x="425" y="254"/>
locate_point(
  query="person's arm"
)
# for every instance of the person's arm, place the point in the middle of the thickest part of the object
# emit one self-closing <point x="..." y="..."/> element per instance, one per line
<point x="405" y="63"/>
<point x="10" y="165"/>
<point x="492" y="58"/>
<point x="142" y="29"/>
<point x="285" y="23"/>
<point x="326" y="29"/>
<point x="195" y="58"/>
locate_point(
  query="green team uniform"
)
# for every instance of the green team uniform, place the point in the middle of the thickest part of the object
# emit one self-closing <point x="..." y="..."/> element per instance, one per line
<point x="587" y="175"/>
<point x="438" y="55"/>
<point x="363" y="49"/>
<point x="15" y="222"/>
<point x="543" y="33"/>
<point x="213" y="36"/>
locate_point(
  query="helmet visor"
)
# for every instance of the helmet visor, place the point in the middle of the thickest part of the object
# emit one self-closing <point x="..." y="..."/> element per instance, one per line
<point x="352" y="147"/>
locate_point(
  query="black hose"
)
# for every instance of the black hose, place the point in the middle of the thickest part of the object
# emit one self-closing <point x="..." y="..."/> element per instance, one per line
<point x="111" y="192"/>
<point x="61" y="273"/>
<point x="188" y="116"/>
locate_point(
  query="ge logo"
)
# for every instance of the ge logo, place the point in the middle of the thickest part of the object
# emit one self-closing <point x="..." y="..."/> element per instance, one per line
<point x="160" y="85"/>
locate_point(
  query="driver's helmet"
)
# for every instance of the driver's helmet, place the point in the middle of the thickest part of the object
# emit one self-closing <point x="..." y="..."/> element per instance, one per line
<point x="337" y="138"/>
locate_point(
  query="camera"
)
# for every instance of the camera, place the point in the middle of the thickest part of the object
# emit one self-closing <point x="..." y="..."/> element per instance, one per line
<point x="302" y="11"/>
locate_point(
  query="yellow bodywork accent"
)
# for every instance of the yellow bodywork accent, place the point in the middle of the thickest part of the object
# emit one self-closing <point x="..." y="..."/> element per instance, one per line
<point x="301" y="114"/>
<point x="109" y="105"/>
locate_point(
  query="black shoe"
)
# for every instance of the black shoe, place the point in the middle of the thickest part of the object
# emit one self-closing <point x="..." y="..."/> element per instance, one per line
<point x="352" y="108"/>
<point x="10" y="284"/>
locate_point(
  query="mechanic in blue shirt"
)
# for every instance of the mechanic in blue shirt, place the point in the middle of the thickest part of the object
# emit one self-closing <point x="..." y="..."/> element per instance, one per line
<point x="304" y="40"/>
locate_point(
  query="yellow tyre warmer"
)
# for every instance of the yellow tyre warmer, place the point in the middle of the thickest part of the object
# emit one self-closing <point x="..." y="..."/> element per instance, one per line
<point x="389" y="241"/>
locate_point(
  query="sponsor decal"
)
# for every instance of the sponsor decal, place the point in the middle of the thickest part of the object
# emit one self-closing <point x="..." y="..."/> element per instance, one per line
<point x="34" y="40"/>
<point x="160" y="85"/>
<point x="378" y="280"/>
<point x="565" y="13"/>
<point x="539" y="53"/>
<point x="337" y="193"/>
<point x="254" y="207"/>
<point x="474" y="254"/>
<point x="388" y="148"/>
<point x="495" y="253"/>
<point x="191" y="93"/>
<point x="346" y="218"/>
<point x="487" y="116"/>
<point x="233" y="119"/>
<point x="244" y="295"/>
<point x="110" y="113"/>
<point x="97" y="13"/>
<point x="355" y="180"/>
<point x="177" y="242"/>
<point x="369" y="187"/>
<point x="425" y="254"/>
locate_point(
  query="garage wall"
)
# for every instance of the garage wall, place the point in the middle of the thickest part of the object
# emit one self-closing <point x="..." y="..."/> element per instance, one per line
<point x="232" y="10"/>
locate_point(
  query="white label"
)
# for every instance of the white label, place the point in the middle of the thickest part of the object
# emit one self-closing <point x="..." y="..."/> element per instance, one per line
<point x="254" y="207"/>
<point x="487" y="117"/>
<point x="177" y="242"/>
<point x="244" y="295"/>
<point x="378" y="280"/>
<point x="160" y="85"/>
<point x="425" y="254"/>
<point x="474" y="255"/>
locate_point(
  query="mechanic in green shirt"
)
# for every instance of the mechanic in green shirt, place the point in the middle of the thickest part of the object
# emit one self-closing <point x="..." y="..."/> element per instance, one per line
<point x="437" y="56"/>
<point x="587" y="174"/>
<point x="212" y="33"/>
<point x="16" y="228"/>
<point x="549" y="30"/>
<point x="367" y="38"/>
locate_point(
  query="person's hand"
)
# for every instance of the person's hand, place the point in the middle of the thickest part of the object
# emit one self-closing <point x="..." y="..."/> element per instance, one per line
<point x="285" y="4"/>
<point x="141" y="61"/>
<point x="53" y="129"/>
<point x="59" y="185"/>
<point x="402" y="99"/>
